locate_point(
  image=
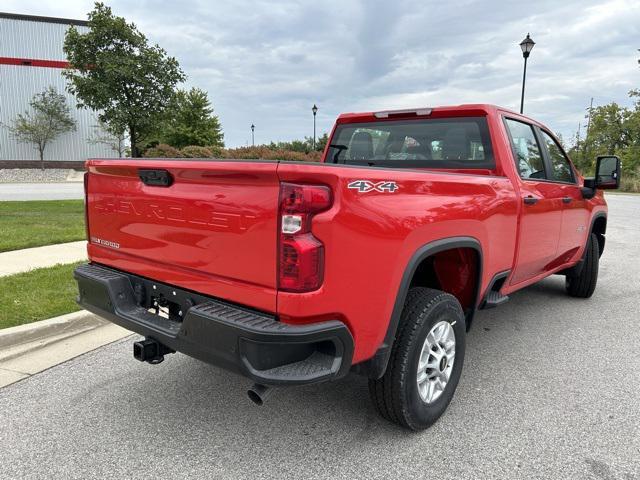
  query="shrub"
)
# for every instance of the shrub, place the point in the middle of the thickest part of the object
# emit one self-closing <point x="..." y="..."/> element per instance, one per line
<point x="216" y="151"/>
<point x="163" y="151"/>
<point x="247" y="152"/>
<point x="269" y="154"/>
<point x="195" y="151"/>
<point x="630" y="184"/>
<point x="242" y="153"/>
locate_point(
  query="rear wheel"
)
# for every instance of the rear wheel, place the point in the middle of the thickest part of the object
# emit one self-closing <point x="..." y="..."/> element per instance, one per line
<point x="426" y="360"/>
<point x="584" y="284"/>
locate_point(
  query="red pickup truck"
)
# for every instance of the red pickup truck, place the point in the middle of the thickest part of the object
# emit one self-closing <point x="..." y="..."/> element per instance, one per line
<point x="372" y="261"/>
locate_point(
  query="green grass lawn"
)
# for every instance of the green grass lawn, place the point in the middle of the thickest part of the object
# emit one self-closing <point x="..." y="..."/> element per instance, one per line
<point x="37" y="223"/>
<point x="37" y="295"/>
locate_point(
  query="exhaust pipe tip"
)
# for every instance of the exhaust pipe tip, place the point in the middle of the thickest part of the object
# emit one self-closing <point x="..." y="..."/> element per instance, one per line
<point x="258" y="393"/>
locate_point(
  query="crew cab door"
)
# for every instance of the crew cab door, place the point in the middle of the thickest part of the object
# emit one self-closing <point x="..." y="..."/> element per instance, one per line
<point x="575" y="216"/>
<point x="541" y="212"/>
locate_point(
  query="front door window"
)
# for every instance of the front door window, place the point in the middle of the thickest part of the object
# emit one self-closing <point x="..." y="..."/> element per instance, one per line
<point x="528" y="155"/>
<point x="561" y="170"/>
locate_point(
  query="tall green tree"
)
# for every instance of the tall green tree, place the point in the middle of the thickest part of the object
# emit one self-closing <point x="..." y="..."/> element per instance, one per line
<point x="609" y="130"/>
<point x="190" y="121"/>
<point x="114" y="71"/>
<point x="614" y="130"/>
<point x="321" y="142"/>
<point x="49" y="118"/>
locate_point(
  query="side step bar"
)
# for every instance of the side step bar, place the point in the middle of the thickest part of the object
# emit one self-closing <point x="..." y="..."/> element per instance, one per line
<point x="493" y="298"/>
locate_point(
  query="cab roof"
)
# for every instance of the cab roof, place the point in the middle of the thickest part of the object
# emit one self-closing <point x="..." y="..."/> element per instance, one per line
<point x="466" y="110"/>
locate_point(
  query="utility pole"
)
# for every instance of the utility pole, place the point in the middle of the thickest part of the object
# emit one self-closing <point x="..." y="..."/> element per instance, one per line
<point x="253" y="140"/>
<point x="586" y="137"/>
<point x="589" y="121"/>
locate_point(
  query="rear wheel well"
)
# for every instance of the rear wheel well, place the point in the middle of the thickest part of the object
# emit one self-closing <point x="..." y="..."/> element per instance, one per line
<point x="441" y="264"/>
<point x="454" y="271"/>
<point x="600" y="228"/>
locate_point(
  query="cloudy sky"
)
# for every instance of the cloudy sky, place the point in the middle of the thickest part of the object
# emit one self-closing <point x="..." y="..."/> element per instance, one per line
<point x="268" y="62"/>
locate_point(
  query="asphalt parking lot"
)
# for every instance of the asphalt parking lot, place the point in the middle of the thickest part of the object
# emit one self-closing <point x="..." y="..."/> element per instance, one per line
<point x="550" y="389"/>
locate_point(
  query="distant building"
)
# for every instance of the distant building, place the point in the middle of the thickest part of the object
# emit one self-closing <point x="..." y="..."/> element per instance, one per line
<point x="31" y="59"/>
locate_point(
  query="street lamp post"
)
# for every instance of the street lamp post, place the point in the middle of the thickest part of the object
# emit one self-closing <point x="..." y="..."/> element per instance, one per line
<point x="314" y="110"/>
<point x="526" y="45"/>
<point x="253" y="140"/>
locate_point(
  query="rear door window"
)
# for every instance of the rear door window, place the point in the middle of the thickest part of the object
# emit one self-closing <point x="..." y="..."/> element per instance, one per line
<point x="432" y="143"/>
<point x="526" y="150"/>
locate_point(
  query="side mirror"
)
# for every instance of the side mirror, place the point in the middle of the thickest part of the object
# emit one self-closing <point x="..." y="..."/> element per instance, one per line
<point x="607" y="176"/>
<point x="607" y="172"/>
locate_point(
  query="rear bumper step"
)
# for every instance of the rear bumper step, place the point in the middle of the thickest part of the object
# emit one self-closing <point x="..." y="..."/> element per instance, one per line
<point x="251" y="343"/>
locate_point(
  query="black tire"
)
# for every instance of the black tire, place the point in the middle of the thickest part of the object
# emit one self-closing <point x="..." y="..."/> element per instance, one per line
<point x="584" y="284"/>
<point x="396" y="395"/>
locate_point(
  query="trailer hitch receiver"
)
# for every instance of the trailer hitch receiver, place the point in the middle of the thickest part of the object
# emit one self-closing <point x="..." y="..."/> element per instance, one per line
<point x="151" y="351"/>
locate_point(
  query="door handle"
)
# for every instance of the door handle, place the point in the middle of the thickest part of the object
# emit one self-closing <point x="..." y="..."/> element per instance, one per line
<point x="566" y="199"/>
<point x="530" y="200"/>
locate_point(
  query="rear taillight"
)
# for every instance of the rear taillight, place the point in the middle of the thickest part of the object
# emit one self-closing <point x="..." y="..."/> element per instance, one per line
<point x="86" y="205"/>
<point x="301" y="266"/>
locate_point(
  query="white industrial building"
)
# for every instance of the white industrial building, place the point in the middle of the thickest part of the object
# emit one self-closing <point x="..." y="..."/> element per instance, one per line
<point x="32" y="59"/>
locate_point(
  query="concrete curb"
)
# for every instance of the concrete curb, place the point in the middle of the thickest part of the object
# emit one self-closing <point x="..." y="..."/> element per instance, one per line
<point x="29" y="349"/>
<point x="69" y="324"/>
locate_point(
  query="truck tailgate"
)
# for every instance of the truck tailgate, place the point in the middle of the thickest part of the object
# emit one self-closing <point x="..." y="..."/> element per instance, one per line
<point x="212" y="230"/>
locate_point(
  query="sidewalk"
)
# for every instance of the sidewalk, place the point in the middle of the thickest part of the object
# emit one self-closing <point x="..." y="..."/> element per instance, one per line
<point x="18" y="261"/>
<point x="41" y="191"/>
<point x="31" y="348"/>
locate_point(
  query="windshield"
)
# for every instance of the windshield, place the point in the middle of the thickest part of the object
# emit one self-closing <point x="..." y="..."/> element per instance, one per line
<point x="433" y="143"/>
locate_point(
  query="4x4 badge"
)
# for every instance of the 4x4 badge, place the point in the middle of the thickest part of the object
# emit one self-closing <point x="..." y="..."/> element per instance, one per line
<point x="364" y="186"/>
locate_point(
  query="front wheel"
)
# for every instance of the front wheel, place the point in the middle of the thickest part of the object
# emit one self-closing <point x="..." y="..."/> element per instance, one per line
<point x="426" y="360"/>
<point x="583" y="285"/>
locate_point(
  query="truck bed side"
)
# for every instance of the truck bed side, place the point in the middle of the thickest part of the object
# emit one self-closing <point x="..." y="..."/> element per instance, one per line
<point x="369" y="238"/>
